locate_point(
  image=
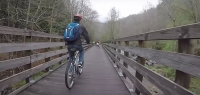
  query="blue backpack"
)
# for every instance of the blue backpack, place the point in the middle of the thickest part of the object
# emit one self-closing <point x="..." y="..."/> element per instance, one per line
<point x="71" y="33"/>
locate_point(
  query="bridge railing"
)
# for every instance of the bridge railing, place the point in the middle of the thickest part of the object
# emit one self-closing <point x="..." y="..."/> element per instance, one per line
<point x="183" y="61"/>
<point x="39" y="52"/>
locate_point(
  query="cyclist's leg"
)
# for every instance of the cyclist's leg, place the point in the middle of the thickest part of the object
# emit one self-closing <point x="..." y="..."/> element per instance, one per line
<point x="71" y="53"/>
<point x="81" y="55"/>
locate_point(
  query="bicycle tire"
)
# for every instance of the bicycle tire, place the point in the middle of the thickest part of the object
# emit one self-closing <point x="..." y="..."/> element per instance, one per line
<point x="79" y="70"/>
<point x="69" y="85"/>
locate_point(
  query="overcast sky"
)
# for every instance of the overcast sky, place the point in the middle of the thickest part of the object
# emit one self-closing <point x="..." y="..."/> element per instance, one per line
<point x="125" y="7"/>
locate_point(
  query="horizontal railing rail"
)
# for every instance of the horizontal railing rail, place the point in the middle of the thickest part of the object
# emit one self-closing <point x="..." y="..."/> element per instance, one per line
<point x="24" y="32"/>
<point x="183" y="32"/>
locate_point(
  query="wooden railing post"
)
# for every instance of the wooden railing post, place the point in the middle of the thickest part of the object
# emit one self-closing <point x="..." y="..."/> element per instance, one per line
<point x="28" y="53"/>
<point x="60" y="54"/>
<point x="47" y="50"/>
<point x="127" y="55"/>
<point x="181" y="78"/>
<point x="118" y="50"/>
<point x="115" y="65"/>
<point x="119" y="43"/>
<point x="115" y="48"/>
<point x="141" y="61"/>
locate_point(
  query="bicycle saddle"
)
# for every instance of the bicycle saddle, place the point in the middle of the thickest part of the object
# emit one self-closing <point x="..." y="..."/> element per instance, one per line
<point x="73" y="49"/>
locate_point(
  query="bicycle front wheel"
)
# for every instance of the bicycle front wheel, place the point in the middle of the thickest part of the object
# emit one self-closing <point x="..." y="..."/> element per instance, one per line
<point x="69" y="75"/>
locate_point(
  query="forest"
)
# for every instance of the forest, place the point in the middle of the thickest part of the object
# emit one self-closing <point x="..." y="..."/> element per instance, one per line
<point x="50" y="16"/>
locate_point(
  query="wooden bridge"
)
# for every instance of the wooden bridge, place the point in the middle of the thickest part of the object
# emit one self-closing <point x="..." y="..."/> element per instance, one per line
<point x="41" y="59"/>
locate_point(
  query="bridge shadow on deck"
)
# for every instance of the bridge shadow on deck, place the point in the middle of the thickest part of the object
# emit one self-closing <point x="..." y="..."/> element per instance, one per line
<point x="99" y="78"/>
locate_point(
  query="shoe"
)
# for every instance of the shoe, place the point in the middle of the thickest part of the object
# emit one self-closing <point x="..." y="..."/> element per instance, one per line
<point x="80" y="64"/>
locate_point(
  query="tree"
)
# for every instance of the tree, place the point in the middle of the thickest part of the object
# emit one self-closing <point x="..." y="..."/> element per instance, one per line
<point x="112" y="23"/>
<point x="169" y="10"/>
<point x="190" y="8"/>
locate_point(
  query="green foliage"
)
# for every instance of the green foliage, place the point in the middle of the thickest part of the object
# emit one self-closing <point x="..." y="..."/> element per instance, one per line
<point x="134" y="43"/>
<point x="112" y="25"/>
<point x="195" y="85"/>
<point x="158" y="45"/>
<point x="164" y="70"/>
<point x="18" y="85"/>
<point x="106" y="37"/>
<point x="197" y="50"/>
<point x="38" y="75"/>
<point x="170" y="46"/>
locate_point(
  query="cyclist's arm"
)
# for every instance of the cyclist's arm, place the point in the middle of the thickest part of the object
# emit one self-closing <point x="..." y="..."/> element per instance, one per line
<point x="85" y="35"/>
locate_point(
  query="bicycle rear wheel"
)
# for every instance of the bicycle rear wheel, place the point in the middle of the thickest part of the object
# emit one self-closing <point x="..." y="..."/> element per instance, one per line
<point x="69" y="78"/>
<point x="79" y="69"/>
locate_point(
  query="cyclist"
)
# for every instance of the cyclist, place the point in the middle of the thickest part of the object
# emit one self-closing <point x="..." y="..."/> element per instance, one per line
<point x="78" y="43"/>
<point x="98" y="44"/>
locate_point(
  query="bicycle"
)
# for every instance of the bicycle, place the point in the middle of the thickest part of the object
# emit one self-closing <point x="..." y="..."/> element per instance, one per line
<point x="98" y="45"/>
<point x="72" y="69"/>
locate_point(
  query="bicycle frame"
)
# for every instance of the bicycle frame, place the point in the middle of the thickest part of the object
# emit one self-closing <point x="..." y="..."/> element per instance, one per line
<point x="72" y="70"/>
<point x="74" y="61"/>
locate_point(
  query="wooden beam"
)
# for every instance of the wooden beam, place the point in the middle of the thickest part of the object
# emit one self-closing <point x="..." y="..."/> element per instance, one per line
<point x="17" y="62"/>
<point x="61" y="47"/>
<point x="13" y="63"/>
<point x="23" y="32"/>
<point x="127" y="55"/>
<point x="28" y="53"/>
<point x="40" y="56"/>
<point x="182" y="78"/>
<point x="11" y="47"/>
<point x="141" y="60"/>
<point x="47" y="59"/>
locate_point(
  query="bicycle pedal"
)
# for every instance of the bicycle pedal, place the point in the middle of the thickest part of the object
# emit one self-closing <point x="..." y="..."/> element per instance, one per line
<point x="73" y="76"/>
<point x="80" y="66"/>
